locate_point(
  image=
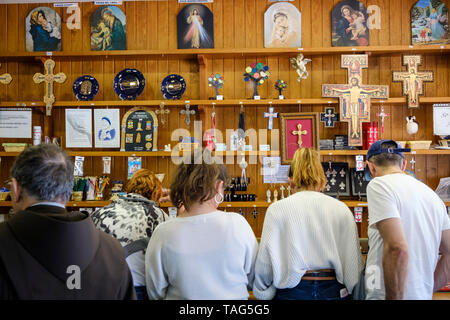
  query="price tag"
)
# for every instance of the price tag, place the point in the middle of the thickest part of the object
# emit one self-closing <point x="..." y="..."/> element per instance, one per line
<point x="358" y="214"/>
<point x="49" y="53"/>
<point x="219" y="97"/>
<point x="359" y="163"/>
<point x="257" y="97"/>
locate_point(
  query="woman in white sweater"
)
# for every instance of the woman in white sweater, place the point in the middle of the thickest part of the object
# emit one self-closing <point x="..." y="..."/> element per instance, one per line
<point x="203" y="253"/>
<point x="309" y="247"/>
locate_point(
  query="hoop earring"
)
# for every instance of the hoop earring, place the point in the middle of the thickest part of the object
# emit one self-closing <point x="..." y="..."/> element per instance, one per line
<point x="221" y="198"/>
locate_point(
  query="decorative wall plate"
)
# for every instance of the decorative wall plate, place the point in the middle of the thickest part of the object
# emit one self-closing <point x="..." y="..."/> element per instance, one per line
<point x="85" y="87"/>
<point x="129" y="84"/>
<point x="173" y="87"/>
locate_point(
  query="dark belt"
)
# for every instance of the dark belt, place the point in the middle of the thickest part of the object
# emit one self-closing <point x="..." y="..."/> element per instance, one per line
<point x="321" y="275"/>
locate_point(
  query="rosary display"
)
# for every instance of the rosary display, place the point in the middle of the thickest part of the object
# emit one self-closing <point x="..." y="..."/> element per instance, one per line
<point x="359" y="183"/>
<point x="338" y="181"/>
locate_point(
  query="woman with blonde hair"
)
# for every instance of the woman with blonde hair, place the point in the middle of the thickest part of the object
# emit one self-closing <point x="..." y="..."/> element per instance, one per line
<point x="309" y="247"/>
<point x="203" y="253"/>
<point x="132" y="219"/>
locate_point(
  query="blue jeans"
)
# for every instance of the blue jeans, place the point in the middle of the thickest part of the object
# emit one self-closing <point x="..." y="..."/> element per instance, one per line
<point x="141" y="292"/>
<point x="313" y="290"/>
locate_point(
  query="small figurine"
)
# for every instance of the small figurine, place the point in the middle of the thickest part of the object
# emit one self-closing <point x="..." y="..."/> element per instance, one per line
<point x="167" y="147"/>
<point x="282" y="188"/>
<point x="412" y="126"/>
<point x="275" y="195"/>
<point x="268" y="194"/>
<point x="289" y="191"/>
<point x="280" y="85"/>
<point x="299" y="64"/>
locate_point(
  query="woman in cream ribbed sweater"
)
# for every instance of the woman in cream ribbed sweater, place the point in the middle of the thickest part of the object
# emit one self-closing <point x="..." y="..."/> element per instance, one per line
<point x="309" y="246"/>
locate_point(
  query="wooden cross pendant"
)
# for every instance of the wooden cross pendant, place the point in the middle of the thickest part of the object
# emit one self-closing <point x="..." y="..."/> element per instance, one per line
<point x="188" y="113"/>
<point x="162" y="112"/>
<point x="5" y="78"/>
<point x="354" y="97"/>
<point x="412" y="86"/>
<point x="299" y="133"/>
<point x="49" y="78"/>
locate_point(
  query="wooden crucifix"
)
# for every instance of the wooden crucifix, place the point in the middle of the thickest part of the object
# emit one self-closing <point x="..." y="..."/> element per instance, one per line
<point x="299" y="132"/>
<point x="412" y="79"/>
<point x="49" y="78"/>
<point x="354" y="97"/>
<point x="5" y="78"/>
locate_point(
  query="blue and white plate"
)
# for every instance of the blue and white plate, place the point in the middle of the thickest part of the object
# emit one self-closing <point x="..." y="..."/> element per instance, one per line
<point x="85" y="88"/>
<point x="129" y="84"/>
<point x="173" y="87"/>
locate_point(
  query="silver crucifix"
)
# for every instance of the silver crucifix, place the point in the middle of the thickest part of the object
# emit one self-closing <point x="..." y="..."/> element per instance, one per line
<point x="188" y="113"/>
<point x="163" y="113"/>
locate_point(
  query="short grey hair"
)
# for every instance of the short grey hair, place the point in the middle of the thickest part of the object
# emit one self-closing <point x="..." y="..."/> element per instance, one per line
<point x="387" y="159"/>
<point x="44" y="172"/>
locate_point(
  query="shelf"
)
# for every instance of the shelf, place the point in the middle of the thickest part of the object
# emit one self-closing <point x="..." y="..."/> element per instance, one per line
<point x="250" y="204"/>
<point x="223" y="153"/>
<point x="231" y="52"/>
<point x="364" y="152"/>
<point x="230" y="102"/>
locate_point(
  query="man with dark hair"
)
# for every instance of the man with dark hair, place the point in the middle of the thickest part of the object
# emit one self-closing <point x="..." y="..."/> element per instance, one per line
<point x="408" y="226"/>
<point x="47" y="252"/>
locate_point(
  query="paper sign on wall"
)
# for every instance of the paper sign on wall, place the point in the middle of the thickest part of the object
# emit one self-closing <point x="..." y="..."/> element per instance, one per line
<point x="107" y="128"/>
<point x="15" y="123"/>
<point x="78" y="128"/>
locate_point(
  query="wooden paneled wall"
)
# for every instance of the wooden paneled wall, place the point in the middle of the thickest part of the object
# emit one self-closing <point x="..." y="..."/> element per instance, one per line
<point x="237" y="24"/>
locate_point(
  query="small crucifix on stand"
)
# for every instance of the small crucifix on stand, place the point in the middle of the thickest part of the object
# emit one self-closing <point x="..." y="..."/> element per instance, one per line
<point x="354" y="97"/>
<point x="5" y="78"/>
<point x="49" y="78"/>
<point x="412" y="86"/>
<point x="299" y="132"/>
<point x="163" y="113"/>
<point x="382" y="115"/>
<point x="188" y="113"/>
<point x="270" y="115"/>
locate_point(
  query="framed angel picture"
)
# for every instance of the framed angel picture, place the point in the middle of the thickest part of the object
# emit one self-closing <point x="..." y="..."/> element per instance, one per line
<point x="282" y="26"/>
<point x="108" y="29"/>
<point x="298" y="130"/>
<point x="429" y="22"/>
<point x="195" y="27"/>
<point x="43" y="30"/>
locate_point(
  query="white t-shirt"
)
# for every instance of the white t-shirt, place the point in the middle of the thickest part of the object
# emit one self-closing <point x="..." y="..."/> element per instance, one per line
<point x="306" y="231"/>
<point x="424" y="218"/>
<point x="205" y="257"/>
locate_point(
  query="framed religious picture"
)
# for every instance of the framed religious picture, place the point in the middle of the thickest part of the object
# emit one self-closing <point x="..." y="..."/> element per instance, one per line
<point x="429" y="22"/>
<point x="298" y="130"/>
<point x="108" y="29"/>
<point x="139" y="130"/>
<point x="282" y="26"/>
<point x="43" y="30"/>
<point x="195" y="27"/>
<point x="338" y="180"/>
<point x="349" y="24"/>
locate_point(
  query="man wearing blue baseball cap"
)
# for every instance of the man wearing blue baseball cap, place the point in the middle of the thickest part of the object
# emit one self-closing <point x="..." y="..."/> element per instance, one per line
<point x="408" y="227"/>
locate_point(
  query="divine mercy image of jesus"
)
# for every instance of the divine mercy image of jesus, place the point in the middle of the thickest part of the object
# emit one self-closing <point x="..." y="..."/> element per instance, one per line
<point x="195" y="27"/>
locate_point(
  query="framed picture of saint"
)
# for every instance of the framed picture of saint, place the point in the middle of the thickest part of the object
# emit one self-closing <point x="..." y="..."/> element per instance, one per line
<point x="108" y="29"/>
<point x="282" y="26"/>
<point x="349" y="24"/>
<point x="429" y="22"/>
<point x="43" y="30"/>
<point x="195" y="27"/>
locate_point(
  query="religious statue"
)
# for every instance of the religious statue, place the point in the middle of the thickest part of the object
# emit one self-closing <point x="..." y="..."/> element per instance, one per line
<point x="299" y="64"/>
<point x="268" y="194"/>
<point x="275" y="195"/>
